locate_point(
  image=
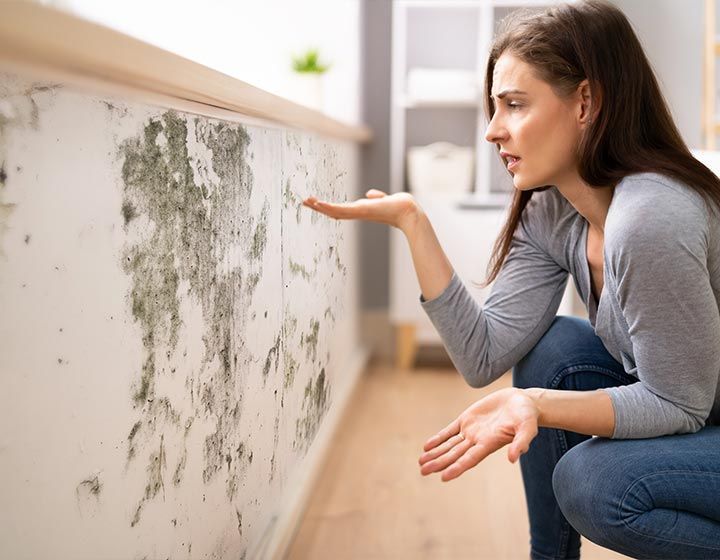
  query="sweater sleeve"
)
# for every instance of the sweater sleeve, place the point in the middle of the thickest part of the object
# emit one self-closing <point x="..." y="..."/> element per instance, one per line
<point x="485" y="341"/>
<point x="657" y="248"/>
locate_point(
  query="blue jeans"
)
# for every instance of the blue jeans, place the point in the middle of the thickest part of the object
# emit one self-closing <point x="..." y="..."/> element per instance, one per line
<point x="653" y="498"/>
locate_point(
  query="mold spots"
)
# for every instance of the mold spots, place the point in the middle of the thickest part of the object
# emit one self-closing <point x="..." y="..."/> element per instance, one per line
<point x="239" y="521"/>
<point x="27" y="239"/>
<point x="260" y="236"/>
<point x="190" y="180"/>
<point x="180" y="469"/>
<point x="276" y="441"/>
<point x="299" y="270"/>
<point x="3" y="175"/>
<point x="329" y="313"/>
<point x="291" y="366"/>
<point x="131" y="439"/>
<point x="87" y="494"/>
<point x="312" y="339"/>
<point x="155" y="468"/>
<point x="129" y="212"/>
<point x="315" y="404"/>
<point x="90" y="486"/>
<point x="273" y="352"/>
<point x="252" y="282"/>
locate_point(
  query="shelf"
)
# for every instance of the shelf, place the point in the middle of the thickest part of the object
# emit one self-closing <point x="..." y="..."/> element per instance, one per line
<point x="409" y="103"/>
<point x="48" y="42"/>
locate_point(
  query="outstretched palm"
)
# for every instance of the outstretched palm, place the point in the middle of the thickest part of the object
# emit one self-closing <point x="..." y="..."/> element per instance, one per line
<point x="507" y="416"/>
<point x="394" y="209"/>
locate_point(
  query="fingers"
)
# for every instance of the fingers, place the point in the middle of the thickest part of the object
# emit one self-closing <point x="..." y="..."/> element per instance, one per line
<point x="471" y="458"/>
<point x="441" y="449"/>
<point x="375" y="193"/>
<point x="526" y="432"/>
<point x="452" y="429"/>
<point x="341" y="211"/>
<point x="446" y="459"/>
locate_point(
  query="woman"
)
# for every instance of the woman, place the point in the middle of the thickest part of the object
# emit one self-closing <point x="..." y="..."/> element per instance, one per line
<point x="607" y="191"/>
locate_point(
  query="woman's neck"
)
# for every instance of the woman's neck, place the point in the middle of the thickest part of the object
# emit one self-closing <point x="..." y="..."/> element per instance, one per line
<point x="592" y="203"/>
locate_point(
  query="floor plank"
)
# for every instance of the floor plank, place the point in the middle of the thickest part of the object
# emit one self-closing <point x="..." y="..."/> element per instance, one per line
<point x="371" y="501"/>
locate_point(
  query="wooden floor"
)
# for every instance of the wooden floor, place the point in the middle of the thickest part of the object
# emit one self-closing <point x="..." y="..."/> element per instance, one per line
<point x="371" y="501"/>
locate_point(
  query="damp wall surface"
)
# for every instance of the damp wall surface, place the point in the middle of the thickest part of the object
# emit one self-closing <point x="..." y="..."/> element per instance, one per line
<point x="175" y="326"/>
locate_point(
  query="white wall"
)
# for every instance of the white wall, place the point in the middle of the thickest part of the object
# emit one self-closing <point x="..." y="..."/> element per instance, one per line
<point x="672" y="34"/>
<point x="177" y="333"/>
<point x="252" y="40"/>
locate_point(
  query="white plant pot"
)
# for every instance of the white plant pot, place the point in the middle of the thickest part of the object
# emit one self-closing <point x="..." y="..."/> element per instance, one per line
<point x="307" y="89"/>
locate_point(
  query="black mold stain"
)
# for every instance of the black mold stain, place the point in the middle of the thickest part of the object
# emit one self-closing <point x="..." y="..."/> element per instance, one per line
<point x="27" y="239"/>
<point x="299" y="269"/>
<point x="274" y="351"/>
<point x="3" y="175"/>
<point x="276" y="441"/>
<point x="91" y="485"/>
<point x="291" y="199"/>
<point x="155" y="479"/>
<point x="239" y="519"/>
<point x="252" y="282"/>
<point x="312" y="339"/>
<point x="196" y="219"/>
<point x="315" y="404"/>
<point x="131" y="439"/>
<point x="180" y="469"/>
<point x="128" y="211"/>
<point x="260" y="236"/>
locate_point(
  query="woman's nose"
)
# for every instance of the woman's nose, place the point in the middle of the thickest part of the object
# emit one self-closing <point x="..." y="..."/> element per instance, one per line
<point x="494" y="132"/>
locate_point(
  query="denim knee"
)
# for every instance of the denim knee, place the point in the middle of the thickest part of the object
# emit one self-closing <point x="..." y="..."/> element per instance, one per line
<point x="568" y="340"/>
<point x="585" y="490"/>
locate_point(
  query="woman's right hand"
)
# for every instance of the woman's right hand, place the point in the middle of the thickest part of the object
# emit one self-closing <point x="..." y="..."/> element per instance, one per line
<point x="399" y="209"/>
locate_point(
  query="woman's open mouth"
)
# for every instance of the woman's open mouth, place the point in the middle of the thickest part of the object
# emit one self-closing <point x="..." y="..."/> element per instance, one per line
<point x="512" y="162"/>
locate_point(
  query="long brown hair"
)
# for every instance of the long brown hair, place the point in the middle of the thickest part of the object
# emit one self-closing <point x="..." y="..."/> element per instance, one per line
<point x="633" y="131"/>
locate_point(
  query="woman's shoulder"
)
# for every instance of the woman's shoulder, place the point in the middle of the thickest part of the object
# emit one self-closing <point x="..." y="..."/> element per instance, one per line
<point x="651" y="206"/>
<point x="654" y="192"/>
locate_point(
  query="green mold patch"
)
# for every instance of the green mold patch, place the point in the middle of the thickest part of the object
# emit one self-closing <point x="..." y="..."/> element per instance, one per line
<point x="314" y="407"/>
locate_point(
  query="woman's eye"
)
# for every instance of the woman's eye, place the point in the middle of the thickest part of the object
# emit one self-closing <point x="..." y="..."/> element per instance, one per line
<point x="514" y="105"/>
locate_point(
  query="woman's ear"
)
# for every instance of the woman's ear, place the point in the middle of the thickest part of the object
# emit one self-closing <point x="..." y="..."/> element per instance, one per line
<point x="589" y="106"/>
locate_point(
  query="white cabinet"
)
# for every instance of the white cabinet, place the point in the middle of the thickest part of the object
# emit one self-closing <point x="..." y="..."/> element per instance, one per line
<point x="446" y="35"/>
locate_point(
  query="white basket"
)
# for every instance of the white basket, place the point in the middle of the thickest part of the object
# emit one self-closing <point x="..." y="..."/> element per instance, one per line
<point x="440" y="167"/>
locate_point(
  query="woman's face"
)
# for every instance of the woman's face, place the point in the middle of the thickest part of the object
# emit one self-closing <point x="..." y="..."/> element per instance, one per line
<point x="537" y="126"/>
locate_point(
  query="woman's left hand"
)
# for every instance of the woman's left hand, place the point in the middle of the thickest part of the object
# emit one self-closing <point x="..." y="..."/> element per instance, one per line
<point x="508" y="416"/>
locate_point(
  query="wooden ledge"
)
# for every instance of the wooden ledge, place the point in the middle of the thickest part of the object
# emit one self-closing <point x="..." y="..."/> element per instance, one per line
<point x="45" y="38"/>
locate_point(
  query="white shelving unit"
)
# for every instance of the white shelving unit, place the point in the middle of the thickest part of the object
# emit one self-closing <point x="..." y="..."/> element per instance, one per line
<point x="466" y="224"/>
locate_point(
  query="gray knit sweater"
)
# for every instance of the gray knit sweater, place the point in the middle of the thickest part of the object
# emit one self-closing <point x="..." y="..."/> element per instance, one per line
<point x="657" y="315"/>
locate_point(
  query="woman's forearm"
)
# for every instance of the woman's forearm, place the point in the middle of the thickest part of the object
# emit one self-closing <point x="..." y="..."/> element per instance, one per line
<point x="584" y="412"/>
<point x="432" y="266"/>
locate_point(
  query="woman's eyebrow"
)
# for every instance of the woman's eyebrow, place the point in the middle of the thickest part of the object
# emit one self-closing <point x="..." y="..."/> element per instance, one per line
<point x="505" y="92"/>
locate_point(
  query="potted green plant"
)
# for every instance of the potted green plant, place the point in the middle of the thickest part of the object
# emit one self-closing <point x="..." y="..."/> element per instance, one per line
<point x="308" y="78"/>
